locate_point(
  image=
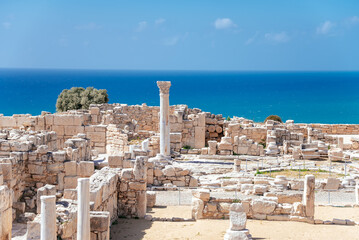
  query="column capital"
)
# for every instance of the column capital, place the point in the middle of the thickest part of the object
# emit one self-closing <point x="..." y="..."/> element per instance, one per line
<point x="164" y="86"/>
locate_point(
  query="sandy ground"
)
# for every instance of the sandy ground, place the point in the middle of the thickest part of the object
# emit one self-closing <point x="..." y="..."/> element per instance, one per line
<point x="215" y="229"/>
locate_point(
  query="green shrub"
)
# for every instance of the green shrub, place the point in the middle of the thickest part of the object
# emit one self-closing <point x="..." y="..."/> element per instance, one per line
<point x="273" y="117"/>
<point x="80" y="98"/>
<point x="263" y="143"/>
<point x="187" y="147"/>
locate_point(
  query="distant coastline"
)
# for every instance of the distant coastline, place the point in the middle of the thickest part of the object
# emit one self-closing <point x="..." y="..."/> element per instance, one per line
<point x="306" y="97"/>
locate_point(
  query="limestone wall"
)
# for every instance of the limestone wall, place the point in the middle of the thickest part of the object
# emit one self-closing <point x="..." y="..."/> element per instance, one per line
<point x="345" y="129"/>
<point x="263" y="208"/>
<point x="29" y="165"/>
<point x="6" y="214"/>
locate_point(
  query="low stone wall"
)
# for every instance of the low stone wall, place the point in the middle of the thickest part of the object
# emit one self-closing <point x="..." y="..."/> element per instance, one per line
<point x="272" y="206"/>
<point x="344" y="129"/>
<point x="6" y="213"/>
<point x="114" y="192"/>
<point x="27" y="167"/>
<point x="158" y="175"/>
<point x="206" y="207"/>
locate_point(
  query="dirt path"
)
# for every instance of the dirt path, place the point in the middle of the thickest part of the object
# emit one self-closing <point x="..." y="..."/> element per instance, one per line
<point x="215" y="229"/>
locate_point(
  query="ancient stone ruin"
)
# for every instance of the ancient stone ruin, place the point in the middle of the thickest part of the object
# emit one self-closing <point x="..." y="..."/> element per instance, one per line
<point x="71" y="175"/>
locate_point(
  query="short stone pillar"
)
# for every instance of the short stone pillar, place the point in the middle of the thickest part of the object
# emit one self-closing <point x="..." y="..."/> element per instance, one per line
<point x="309" y="134"/>
<point x="164" y="118"/>
<point x="145" y="143"/>
<point x="238" y="220"/>
<point x="47" y="190"/>
<point x="357" y="194"/>
<point x="83" y="209"/>
<point x="237" y="165"/>
<point x="140" y="173"/>
<point x="212" y="147"/>
<point x="341" y="142"/>
<point x="309" y="196"/>
<point x="48" y="218"/>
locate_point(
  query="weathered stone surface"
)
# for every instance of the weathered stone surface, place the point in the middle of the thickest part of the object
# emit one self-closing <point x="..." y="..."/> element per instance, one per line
<point x="332" y="184"/>
<point x="238" y="217"/>
<point x="309" y="195"/>
<point x="197" y="208"/>
<point x="99" y="221"/>
<point x="263" y="207"/>
<point x="85" y="168"/>
<point x="202" y="194"/>
<point x="151" y="198"/>
<point x="137" y="186"/>
<point x="236" y="235"/>
<point x="140" y="169"/>
<point x="46" y="190"/>
<point x="115" y="161"/>
<point x="70" y="168"/>
<point x="169" y="171"/>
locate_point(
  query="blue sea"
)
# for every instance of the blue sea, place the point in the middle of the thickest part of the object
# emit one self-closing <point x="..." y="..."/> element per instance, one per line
<point x="306" y="97"/>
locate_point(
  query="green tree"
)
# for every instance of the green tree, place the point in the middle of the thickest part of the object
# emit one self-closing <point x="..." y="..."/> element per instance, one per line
<point x="273" y="117"/>
<point x="80" y="98"/>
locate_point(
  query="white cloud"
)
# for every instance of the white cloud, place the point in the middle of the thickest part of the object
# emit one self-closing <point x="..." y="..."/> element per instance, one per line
<point x="252" y="39"/>
<point x="354" y="19"/>
<point x="6" y="25"/>
<point x="277" y="37"/>
<point x="89" y="26"/>
<point x="160" y="21"/>
<point x="141" y="26"/>
<point x="224" y="23"/>
<point x="171" y="41"/>
<point x="325" y="27"/>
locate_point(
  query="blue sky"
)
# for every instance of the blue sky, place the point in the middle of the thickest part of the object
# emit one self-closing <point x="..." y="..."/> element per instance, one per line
<point x="180" y="35"/>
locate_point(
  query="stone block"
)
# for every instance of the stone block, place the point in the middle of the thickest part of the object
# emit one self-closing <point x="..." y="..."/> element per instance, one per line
<point x="70" y="182"/>
<point x="140" y="168"/>
<point x="59" y="156"/>
<point x="6" y="224"/>
<point x="202" y="194"/>
<point x="85" y="168"/>
<point x="197" y="208"/>
<point x="193" y="182"/>
<point x="238" y="217"/>
<point x="263" y="207"/>
<point x="5" y="198"/>
<point x="36" y="169"/>
<point x="70" y="168"/>
<point x="169" y="171"/>
<point x="309" y="195"/>
<point x="137" y="186"/>
<point x="70" y="194"/>
<point x="46" y="190"/>
<point x="97" y="136"/>
<point x="175" y="137"/>
<point x="179" y="183"/>
<point x="6" y="171"/>
<point x="332" y="184"/>
<point x="236" y="235"/>
<point x="199" y="137"/>
<point x="99" y="221"/>
<point x="115" y="161"/>
<point x="151" y="199"/>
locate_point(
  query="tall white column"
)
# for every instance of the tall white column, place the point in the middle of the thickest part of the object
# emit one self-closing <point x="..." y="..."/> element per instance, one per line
<point x="164" y="118"/>
<point x="48" y="218"/>
<point x="83" y="209"/>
